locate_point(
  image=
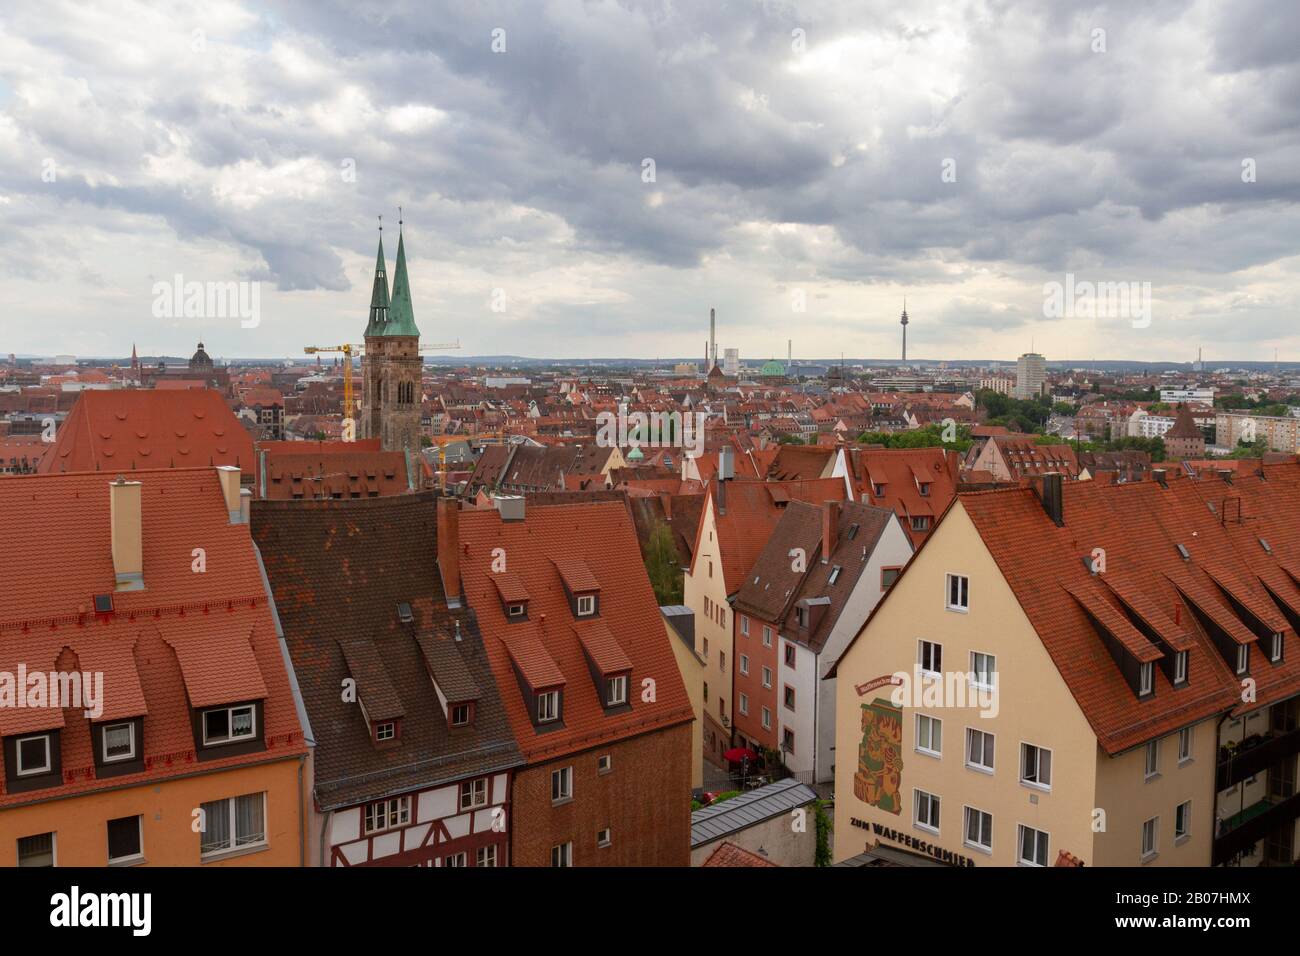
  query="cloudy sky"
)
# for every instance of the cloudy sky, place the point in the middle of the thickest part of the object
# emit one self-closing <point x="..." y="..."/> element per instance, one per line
<point x="587" y="179"/>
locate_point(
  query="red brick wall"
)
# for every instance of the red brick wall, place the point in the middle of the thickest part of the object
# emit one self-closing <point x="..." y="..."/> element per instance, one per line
<point x="645" y="801"/>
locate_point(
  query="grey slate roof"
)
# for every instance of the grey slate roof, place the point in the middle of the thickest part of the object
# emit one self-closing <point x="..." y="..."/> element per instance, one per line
<point x="741" y="812"/>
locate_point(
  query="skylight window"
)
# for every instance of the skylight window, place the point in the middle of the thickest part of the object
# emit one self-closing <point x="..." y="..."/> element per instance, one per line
<point x="404" y="613"/>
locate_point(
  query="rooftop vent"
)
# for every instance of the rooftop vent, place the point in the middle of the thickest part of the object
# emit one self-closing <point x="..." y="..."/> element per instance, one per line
<point x="1183" y="551"/>
<point x="1265" y="545"/>
<point x="404" y="613"/>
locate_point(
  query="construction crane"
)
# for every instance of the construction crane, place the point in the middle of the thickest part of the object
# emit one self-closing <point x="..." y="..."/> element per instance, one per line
<point x="347" y="351"/>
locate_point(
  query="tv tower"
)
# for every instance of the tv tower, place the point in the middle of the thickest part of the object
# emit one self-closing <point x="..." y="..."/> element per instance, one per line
<point x="903" y="322"/>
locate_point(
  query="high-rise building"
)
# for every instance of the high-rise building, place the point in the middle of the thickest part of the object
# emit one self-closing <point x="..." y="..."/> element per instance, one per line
<point x="391" y="366"/>
<point x="731" y="361"/>
<point x="1031" y="375"/>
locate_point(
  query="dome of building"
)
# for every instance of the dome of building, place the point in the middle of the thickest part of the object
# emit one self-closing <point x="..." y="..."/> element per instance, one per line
<point x="200" y="359"/>
<point x="772" y="367"/>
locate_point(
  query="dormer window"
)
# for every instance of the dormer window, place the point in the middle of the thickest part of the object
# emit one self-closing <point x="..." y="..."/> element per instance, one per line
<point x="119" y="742"/>
<point x="1275" y="648"/>
<point x="586" y="605"/>
<point x="461" y="715"/>
<point x="1146" y="678"/>
<point x="226" y="725"/>
<point x="1243" y="658"/>
<point x="387" y="730"/>
<point x="1180" y="667"/>
<point x="517" y="611"/>
<point x="923" y="488"/>
<point x="878" y="490"/>
<point x="33" y="755"/>
<point x="548" y="706"/>
<point x="616" y="691"/>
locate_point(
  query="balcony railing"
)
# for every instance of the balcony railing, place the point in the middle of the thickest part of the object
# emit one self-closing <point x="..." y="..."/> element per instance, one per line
<point x="1243" y="830"/>
<point x="1237" y="765"/>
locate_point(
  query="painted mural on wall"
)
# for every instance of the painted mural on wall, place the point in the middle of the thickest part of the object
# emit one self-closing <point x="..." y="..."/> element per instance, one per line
<point x="879" y="777"/>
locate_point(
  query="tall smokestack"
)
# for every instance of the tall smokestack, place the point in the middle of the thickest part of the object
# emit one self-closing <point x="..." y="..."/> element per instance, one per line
<point x="713" y="340"/>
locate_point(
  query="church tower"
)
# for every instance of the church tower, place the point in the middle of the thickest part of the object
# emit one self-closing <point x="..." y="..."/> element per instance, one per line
<point x="391" y="366"/>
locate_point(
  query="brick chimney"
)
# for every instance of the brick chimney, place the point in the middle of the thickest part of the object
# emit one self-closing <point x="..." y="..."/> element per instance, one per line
<point x="830" y="528"/>
<point x="449" y="548"/>
<point x="1053" y="498"/>
<point x="228" y="475"/>
<point x="125" y="521"/>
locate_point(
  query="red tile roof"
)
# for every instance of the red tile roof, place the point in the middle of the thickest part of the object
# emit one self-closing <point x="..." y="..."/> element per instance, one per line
<point x="547" y="645"/>
<point x="1139" y="528"/>
<point x="728" y="854"/>
<point x="135" y="429"/>
<point x="750" y="512"/>
<point x="210" y="633"/>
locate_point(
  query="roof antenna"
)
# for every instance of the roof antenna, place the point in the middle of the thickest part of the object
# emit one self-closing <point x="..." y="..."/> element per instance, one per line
<point x="381" y="223"/>
<point x="399" y="218"/>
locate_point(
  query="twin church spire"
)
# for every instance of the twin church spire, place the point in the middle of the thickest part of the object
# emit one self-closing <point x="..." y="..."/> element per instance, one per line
<point x="391" y="316"/>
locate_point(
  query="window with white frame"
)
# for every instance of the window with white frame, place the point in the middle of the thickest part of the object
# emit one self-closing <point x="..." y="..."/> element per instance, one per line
<point x="767" y="676"/>
<point x="767" y="719"/>
<point x="561" y="784"/>
<point x="1180" y="667"/>
<point x="1185" y="745"/>
<point x="767" y="636"/>
<point x="1146" y="678"/>
<point x="979" y="750"/>
<point x="386" y="730"/>
<point x="33" y="755"/>
<point x="744" y="625"/>
<point x="474" y="793"/>
<point x="562" y="855"/>
<point x="234" y="823"/>
<point x="1032" y="847"/>
<point x="548" y="706"/>
<point x="744" y="704"/>
<point x="386" y="814"/>
<point x="586" y="605"/>
<point x="119" y="742"/>
<point x="226" y="725"/>
<point x="1275" y="648"/>
<point x="926" y="811"/>
<point x="744" y="664"/>
<point x="486" y="855"/>
<point x="1036" y="766"/>
<point x="1243" y="658"/>
<point x="456" y="859"/>
<point x="616" y="690"/>
<point x="1151" y="764"/>
<point x="1150" y="829"/>
<point x="978" y="827"/>
<point x="958" y="587"/>
<point x="930" y="656"/>
<point x="1182" y="819"/>
<point x="984" y="669"/>
<point x="603" y="837"/>
<point x="929" y="735"/>
<point x="604" y="763"/>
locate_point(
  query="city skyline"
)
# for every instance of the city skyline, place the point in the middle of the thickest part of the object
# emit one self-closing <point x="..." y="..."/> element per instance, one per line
<point x="969" y="189"/>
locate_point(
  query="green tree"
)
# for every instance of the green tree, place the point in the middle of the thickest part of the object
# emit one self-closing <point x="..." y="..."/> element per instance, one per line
<point x="661" y="563"/>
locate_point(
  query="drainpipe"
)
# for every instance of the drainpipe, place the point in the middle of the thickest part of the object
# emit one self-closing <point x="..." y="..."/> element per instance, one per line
<point x="302" y="816"/>
<point x="324" y="828"/>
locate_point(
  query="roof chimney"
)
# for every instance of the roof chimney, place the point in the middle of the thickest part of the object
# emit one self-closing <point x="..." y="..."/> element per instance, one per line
<point x="449" y="548"/>
<point x="726" y="463"/>
<point x="124" y="515"/>
<point x="511" y="507"/>
<point x="228" y="475"/>
<point x="830" y="528"/>
<point x="1053" y="498"/>
<point x="1161" y="476"/>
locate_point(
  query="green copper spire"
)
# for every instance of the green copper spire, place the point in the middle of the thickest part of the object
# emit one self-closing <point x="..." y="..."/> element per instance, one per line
<point x="379" y="297"/>
<point x="401" y="317"/>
